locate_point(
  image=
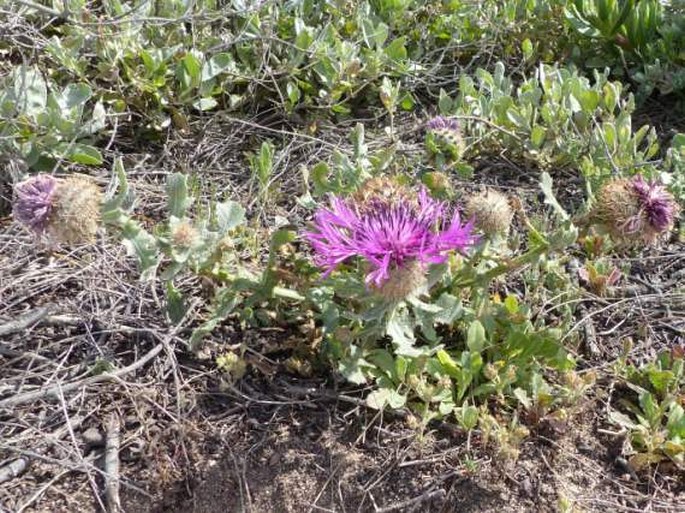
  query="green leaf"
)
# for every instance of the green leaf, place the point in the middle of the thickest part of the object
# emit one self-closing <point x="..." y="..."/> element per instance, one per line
<point x="678" y="142"/>
<point x="445" y="103"/>
<point x="400" y="328"/>
<point x="281" y="237"/>
<point x="30" y="91"/>
<point x="450" y="309"/>
<point x="119" y="192"/>
<point x="527" y="49"/>
<point x="511" y="304"/>
<point x="537" y="136"/>
<point x="450" y="366"/>
<point x="319" y="175"/>
<point x="218" y="64"/>
<point x="382" y="397"/>
<point x="396" y="50"/>
<point x="75" y="96"/>
<point x="467" y="416"/>
<point x="193" y="67"/>
<point x="225" y="302"/>
<point x="142" y="245"/>
<point x="400" y="371"/>
<point x="383" y="360"/>
<point x="475" y="339"/>
<point x="175" y="306"/>
<point x="178" y="200"/>
<point x="81" y="154"/>
<point x="374" y="35"/>
<point x="351" y="366"/>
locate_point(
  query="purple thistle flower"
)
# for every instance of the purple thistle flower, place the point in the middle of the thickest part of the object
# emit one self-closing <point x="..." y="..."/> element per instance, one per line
<point x="656" y="203"/>
<point x="442" y="124"/>
<point x="388" y="234"/>
<point x="34" y="202"/>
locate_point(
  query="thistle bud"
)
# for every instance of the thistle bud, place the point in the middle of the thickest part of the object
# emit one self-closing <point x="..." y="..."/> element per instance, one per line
<point x="438" y="183"/>
<point x="403" y="282"/>
<point x="445" y="130"/>
<point x="183" y="234"/>
<point x="76" y="212"/>
<point x="634" y="211"/>
<point x="446" y="136"/>
<point x="382" y="189"/>
<point x="491" y="212"/>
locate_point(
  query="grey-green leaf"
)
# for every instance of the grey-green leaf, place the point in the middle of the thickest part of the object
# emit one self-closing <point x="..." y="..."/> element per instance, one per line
<point x="177" y="193"/>
<point x="229" y="214"/>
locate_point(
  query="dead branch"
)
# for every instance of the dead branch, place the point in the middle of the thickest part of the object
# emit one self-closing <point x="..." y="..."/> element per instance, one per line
<point x="18" y="466"/>
<point x="55" y="391"/>
<point x="112" y="500"/>
<point x="26" y="320"/>
<point x="13" y="469"/>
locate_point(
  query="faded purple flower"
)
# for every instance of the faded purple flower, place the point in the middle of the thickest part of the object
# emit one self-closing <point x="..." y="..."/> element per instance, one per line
<point x="388" y="234"/>
<point x="34" y="202"/>
<point x="441" y="123"/>
<point x="656" y="203"/>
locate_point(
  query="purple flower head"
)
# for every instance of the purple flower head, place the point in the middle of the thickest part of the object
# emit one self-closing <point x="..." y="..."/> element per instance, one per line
<point x="656" y="203"/>
<point x="387" y="234"/>
<point x="34" y="202"/>
<point x="442" y="124"/>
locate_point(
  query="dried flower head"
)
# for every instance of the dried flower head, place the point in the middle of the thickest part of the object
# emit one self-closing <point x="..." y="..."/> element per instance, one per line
<point x="395" y="237"/>
<point x="66" y="211"/>
<point x="634" y="210"/>
<point x="34" y="202"/>
<point x="491" y="212"/>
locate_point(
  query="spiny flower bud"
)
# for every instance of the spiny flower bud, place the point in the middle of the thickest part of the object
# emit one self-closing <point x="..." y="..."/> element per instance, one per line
<point x="76" y="211"/>
<point x="633" y="210"/>
<point x="491" y="212"/>
<point x="447" y="133"/>
<point x="403" y="282"/>
<point x="438" y="183"/>
<point x="382" y="189"/>
<point x="66" y="211"/>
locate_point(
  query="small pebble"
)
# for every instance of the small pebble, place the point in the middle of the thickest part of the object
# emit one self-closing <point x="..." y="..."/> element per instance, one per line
<point x="92" y="437"/>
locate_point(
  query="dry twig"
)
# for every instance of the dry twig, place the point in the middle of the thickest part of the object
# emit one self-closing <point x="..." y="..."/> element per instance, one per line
<point x="112" y="500"/>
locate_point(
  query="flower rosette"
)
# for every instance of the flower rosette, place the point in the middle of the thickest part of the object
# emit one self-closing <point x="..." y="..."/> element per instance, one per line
<point x="397" y="234"/>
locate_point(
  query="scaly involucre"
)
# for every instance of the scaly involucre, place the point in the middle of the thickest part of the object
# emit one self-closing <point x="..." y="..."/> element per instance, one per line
<point x="34" y="202"/>
<point x="389" y="235"/>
